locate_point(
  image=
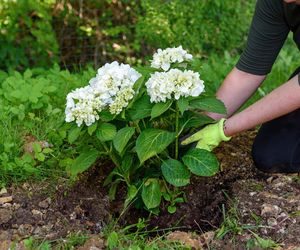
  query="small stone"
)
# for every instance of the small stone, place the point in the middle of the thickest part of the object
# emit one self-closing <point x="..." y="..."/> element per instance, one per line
<point x="186" y="238"/>
<point x="73" y="216"/>
<point x="252" y="193"/>
<point x="47" y="228"/>
<point x="6" y="199"/>
<point x="25" y="230"/>
<point x="93" y="243"/>
<point x="270" y="210"/>
<point x="37" y="231"/>
<point x="7" y="205"/>
<point x="36" y="213"/>
<point x="5" y="215"/>
<point x="3" y="191"/>
<point x="272" y="222"/>
<point x="270" y="179"/>
<point x="5" y="235"/>
<point x="5" y="244"/>
<point x="16" y="206"/>
<point x="45" y="203"/>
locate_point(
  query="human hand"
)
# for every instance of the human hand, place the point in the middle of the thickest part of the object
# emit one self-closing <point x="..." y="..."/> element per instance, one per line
<point x="209" y="137"/>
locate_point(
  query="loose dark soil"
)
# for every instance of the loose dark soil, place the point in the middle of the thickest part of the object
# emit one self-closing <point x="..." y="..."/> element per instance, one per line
<point x="51" y="212"/>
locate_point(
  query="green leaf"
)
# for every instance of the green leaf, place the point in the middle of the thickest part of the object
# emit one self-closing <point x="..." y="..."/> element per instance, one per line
<point x="195" y="120"/>
<point x="47" y="150"/>
<point x="74" y="134"/>
<point x="106" y="116"/>
<point x="132" y="191"/>
<point x="106" y="132"/>
<point x="175" y="173"/>
<point x="265" y="243"/>
<point x="36" y="147"/>
<point x="210" y="104"/>
<point x="113" y="240"/>
<point x="92" y="128"/>
<point x="141" y="108"/>
<point x="122" y="137"/>
<point x="171" y="209"/>
<point x="201" y="162"/>
<point x="151" y="142"/>
<point x="40" y="156"/>
<point x="160" y="108"/>
<point x="183" y="104"/>
<point x="85" y="160"/>
<point x="151" y="193"/>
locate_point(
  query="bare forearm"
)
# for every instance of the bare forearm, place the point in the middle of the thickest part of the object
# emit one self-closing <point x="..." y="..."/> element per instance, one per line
<point x="281" y="101"/>
<point x="237" y="87"/>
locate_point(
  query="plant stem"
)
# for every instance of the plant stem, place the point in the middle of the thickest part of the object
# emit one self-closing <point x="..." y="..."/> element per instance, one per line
<point x="111" y="154"/>
<point x="176" y="130"/>
<point x="137" y="127"/>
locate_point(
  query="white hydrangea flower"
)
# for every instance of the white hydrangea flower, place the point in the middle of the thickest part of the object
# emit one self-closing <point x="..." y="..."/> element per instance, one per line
<point x="83" y="106"/>
<point x="174" y="84"/>
<point x="110" y="84"/>
<point x="112" y="88"/>
<point x="121" y="100"/>
<point x="164" y="58"/>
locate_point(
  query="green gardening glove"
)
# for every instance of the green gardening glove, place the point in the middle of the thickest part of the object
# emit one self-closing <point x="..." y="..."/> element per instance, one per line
<point x="209" y="137"/>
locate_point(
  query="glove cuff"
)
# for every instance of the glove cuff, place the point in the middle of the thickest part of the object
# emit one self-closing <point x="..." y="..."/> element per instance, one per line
<point x="221" y="130"/>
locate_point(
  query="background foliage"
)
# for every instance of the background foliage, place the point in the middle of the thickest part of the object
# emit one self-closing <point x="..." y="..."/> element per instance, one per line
<point x="38" y="33"/>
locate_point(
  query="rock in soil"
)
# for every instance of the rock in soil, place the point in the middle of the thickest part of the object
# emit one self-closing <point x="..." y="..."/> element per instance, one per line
<point x="93" y="243"/>
<point x="5" y="215"/>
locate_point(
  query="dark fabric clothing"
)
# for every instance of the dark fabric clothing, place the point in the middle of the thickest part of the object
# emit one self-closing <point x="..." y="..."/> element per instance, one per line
<point x="276" y="147"/>
<point x="271" y="23"/>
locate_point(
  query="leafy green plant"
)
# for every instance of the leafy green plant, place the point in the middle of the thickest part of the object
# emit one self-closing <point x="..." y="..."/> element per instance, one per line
<point x="25" y="22"/>
<point x="31" y="112"/>
<point x="142" y="137"/>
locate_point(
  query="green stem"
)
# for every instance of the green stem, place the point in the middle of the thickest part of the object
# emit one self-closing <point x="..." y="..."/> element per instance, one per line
<point x="111" y="154"/>
<point x="137" y="127"/>
<point x="176" y="131"/>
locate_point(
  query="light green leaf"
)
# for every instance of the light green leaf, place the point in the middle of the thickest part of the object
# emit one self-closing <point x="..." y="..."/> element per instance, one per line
<point x="92" y="128"/>
<point x="210" y="104"/>
<point x="106" y="132"/>
<point x="201" y="162"/>
<point x="175" y="173"/>
<point x="74" y="134"/>
<point x="171" y="209"/>
<point x="183" y="104"/>
<point x="141" y="108"/>
<point x="151" y="193"/>
<point x="160" y="108"/>
<point x="85" y="160"/>
<point x="132" y="191"/>
<point x="151" y="142"/>
<point x="36" y="147"/>
<point x="122" y="137"/>
<point x="47" y="150"/>
<point x="40" y="156"/>
<point x="112" y="240"/>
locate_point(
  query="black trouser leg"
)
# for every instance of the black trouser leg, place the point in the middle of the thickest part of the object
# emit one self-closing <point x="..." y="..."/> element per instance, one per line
<point x="276" y="147"/>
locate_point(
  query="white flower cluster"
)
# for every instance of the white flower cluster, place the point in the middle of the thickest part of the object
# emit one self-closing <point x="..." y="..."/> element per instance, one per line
<point x="174" y="84"/>
<point x="111" y="88"/>
<point x="164" y="58"/>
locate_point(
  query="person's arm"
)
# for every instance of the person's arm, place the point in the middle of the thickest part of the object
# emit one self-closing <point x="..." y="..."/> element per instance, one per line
<point x="280" y="101"/>
<point x="237" y="87"/>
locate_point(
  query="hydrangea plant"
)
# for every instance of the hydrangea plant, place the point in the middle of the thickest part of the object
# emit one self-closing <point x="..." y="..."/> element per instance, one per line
<point x="136" y="118"/>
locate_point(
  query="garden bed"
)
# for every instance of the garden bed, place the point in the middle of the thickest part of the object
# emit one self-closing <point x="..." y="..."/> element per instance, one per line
<point x="268" y="203"/>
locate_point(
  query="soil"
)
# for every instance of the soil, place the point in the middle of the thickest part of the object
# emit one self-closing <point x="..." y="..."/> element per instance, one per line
<point x="268" y="203"/>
